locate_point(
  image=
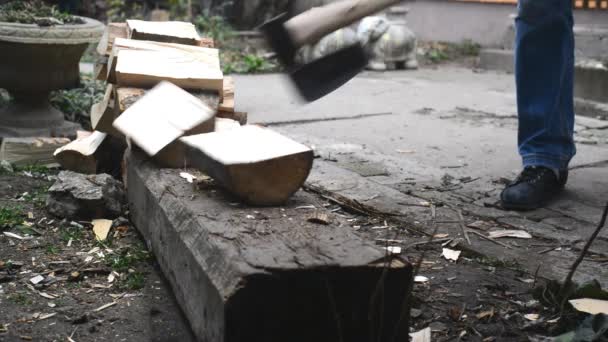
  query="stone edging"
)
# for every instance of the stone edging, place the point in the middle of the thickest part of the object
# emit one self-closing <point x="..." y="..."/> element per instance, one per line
<point x="89" y="32"/>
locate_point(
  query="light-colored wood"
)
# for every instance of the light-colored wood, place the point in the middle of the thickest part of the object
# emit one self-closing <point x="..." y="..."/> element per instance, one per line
<point x="227" y="104"/>
<point x="222" y="124"/>
<point x="257" y="165"/>
<point x="81" y="155"/>
<point x="164" y="114"/>
<point x="208" y="56"/>
<point x="103" y="113"/>
<point x="167" y="31"/>
<point x="113" y="31"/>
<point x="310" y="26"/>
<point x="206" y="42"/>
<point x="100" y="69"/>
<point x="125" y="97"/>
<point x="145" y="69"/>
<point x="240" y="117"/>
<point x="30" y="151"/>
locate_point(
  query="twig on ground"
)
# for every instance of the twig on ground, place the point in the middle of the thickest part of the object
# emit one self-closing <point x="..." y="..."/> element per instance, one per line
<point x="567" y="283"/>
<point x="491" y="240"/>
<point x="463" y="227"/>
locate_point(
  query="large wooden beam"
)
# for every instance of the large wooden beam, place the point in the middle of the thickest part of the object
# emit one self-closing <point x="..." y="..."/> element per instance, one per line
<point x="238" y="277"/>
<point x="162" y="115"/>
<point x="145" y="69"/>
<point x="257" y="165"/>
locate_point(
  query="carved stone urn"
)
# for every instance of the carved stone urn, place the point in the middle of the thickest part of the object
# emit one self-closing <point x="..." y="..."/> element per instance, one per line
<point x="35" y="60"/>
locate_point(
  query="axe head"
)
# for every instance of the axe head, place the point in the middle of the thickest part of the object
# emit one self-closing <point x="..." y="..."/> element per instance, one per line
<point x="319" y="77"/>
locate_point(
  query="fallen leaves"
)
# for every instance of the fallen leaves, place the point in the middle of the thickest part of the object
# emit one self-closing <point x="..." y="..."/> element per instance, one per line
<point x="450" y="254"/>
<point x="590" y="306"/>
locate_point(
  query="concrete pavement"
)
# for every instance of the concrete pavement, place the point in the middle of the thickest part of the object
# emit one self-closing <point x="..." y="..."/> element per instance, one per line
<point x="447" y="135"/>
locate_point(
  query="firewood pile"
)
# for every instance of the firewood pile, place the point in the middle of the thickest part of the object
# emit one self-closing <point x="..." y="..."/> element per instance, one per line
<point x="167" y="96"/>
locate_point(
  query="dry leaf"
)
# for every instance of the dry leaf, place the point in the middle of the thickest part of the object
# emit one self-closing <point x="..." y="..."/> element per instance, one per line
<point x="484" y="314"/>
<point x="520" y="234"/>
<point x="423" y="335"/>
<point x="532" y="317"/>
<point x="101" y="228"/>
<point x="590" y="306"/>
<point x="481" y="225"/>
<point x="37" y="279"/>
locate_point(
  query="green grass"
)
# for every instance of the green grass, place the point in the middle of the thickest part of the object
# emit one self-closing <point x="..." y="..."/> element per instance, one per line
<point x="20" y="298"/>
<point x="133" y="281"/>
<point x="52" y="249"/>
<point x="38" y="196"/>
<point x="34" y="168"/>
<point x="126" y="259"/>
<point x="10" y="217"/>
<point x="71" y="233"/>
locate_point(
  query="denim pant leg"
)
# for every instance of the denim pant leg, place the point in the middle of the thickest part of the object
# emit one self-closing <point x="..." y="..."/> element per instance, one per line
<point x="544" y="72"/>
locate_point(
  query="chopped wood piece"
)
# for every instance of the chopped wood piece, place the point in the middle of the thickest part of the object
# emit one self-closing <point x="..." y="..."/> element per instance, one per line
<point x="103" y="113"/>
<point x="227" y="104"/>
<point x="240" y="117"/>
<point x="161" y="116"/>
<point x="206" y="42"/>
<point x="100" y="70"/>
<point x="101" y="228"/>
<point x="168" y="31"/>
<point x="125" y="97"/>
<point x="256" y="164"/>
<point x="222" y="124"/>
<point x="30" y="151"/>
<point x="80" y="155"/>
<point x="113" y="31"/>
<point x="82" y="134"/>
<point x="145" y="69"/>
<point x="319" y="217"/>
<point x="208" y="56"/>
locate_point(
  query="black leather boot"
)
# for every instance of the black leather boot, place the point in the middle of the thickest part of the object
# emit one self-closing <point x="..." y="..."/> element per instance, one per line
<point x="534" y="187"/>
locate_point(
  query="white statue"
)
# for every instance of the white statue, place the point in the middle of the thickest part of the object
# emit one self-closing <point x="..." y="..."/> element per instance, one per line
<point x="390" y="44"/>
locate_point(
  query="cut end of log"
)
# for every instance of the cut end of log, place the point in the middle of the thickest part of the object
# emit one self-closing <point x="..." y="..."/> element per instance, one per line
<point x="167" y="31"/>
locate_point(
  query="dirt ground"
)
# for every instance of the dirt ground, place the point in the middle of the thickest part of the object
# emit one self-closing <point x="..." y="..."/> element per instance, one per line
<point x="472" y="299"/>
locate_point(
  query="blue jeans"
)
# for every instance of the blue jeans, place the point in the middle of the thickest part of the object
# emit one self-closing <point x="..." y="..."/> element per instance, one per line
<point x="544" y="73"/>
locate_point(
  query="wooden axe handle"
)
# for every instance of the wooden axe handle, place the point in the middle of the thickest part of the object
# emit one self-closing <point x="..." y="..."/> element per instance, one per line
<point x="314" y="24"/>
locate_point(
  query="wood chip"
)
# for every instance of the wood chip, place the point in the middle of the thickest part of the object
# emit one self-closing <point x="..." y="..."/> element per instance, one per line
<point x="47" y="316"/>
<point x="532" y="317"/>
<point x="47" y="296"/>
<point x="423" y="335"/>
<point x="590" y="306"/>
<point x="319" y="217"/>
<point x="393" y="249"/>
<point x="188" y="177"/>
<point x="101" y="228"/>
<point x="481" y="225"/>
<point x="421" y="279"/>
<point x="13" y="235"/>
<point x="37" y="279"/>
<point x="103" y="307"/>
<point x="450" y="254"/>
<point x="520" y="234"/>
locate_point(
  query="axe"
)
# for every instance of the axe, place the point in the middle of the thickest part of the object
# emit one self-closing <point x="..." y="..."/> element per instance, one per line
<point x="324" y="75"/>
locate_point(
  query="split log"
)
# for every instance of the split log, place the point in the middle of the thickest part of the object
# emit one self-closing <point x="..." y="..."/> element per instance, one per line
<point x="257" y="165"/>
<point x="100" y="69"/>
<point x="97" y="153"/>
<point x="162" y="115"/>
<point x="222" y="124"/>
<point x="281" y="279"/>
<point x="227" y="104"/>
<point x="168" y="31"/>
<point x="208" y="56"/>
<point x="145" y="69"/>
<point x="30" y="151"/>
<point x="103" y="113"/>
<point x="125" y="97"/>
<point x="113" y="31"/>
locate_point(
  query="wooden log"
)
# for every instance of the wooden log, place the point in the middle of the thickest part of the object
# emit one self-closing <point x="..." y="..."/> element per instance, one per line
<point x="257" y="165"/>
<point x="227" y="104"/>
<point x="103" y="114"/>
<point x="100" y="69"/>
<point x="208" y="56"/>
<point x="30" y="151"/>
<point x="80" y="154"/>
<point x="168" y="31"/>
<point x="145" y="69"/>
<point x="273" y="280"/>
<point x="125" y="97"/>
<point x="162" y="115"/>
<point x="113" y="31"/>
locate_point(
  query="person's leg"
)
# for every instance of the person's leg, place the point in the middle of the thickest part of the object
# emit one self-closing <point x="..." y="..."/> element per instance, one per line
<point x="544" y="68"/>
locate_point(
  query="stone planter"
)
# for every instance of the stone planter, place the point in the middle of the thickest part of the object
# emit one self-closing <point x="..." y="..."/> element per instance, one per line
<point x="34" y="61"/>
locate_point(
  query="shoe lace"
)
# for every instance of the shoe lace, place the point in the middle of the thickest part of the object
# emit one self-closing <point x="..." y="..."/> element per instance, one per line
<point x="531" y="175"/>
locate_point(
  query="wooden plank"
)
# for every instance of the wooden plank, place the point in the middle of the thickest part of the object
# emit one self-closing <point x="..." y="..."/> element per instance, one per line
<point x="162" y="115"/>
<point x="145" y="69"/>
<point x="80" y="155"/>
<point x="103" y="113"/>
<point x="113" y="31"/>
<point x="257" y="165"/>
<point x="241" y="117"/>
<point x="30" y="151"/>
<point x="208" y="56"/>
<point x="277" y="279"/>
<point x="227" y="104"/>
<point x="168" y="31"/>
